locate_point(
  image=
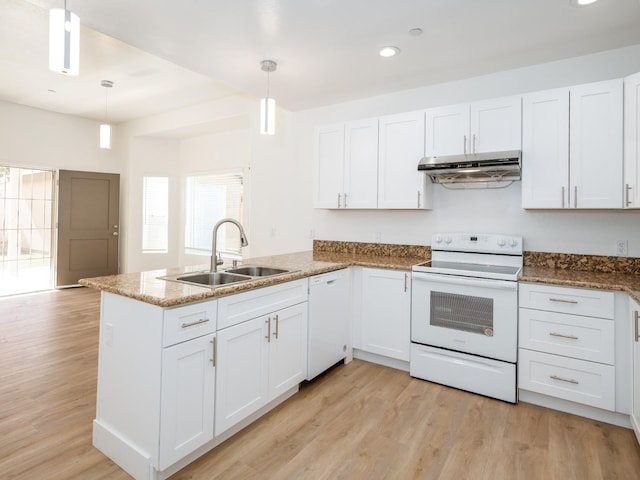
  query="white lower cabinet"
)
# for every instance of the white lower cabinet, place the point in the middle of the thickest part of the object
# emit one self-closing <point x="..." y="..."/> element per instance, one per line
<point x="567" y="344"/>
<point x="261" y="358"/>
<point x="187" y="398"/>
<point x="386" y="313"/>
<point x="635" y="405"/>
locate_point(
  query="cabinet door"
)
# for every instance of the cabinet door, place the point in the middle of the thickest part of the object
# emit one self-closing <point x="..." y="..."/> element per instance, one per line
<point x="496" y="125"/>
<point x="545" y="149"/>
<point x="242" y="364"/>
<point x="187" y="398"/>
<point x="361" y="164"/>
<point x="400" y="185"/>
<point x="386" y="317"/>
<point x="595" y="145"/>
<point x="632" y="141"/>
<point x="447" y="130"/>
<point x="635" y="409"/>
<point x="329" y="160"/>
<point x="287" y="349"/>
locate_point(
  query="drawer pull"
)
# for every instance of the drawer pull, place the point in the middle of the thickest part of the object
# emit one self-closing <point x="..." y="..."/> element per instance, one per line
<point x="635" y="318"/>
<point x="197" y="322"/>
<point x="568" y="380"/>
<point x="555" y="334"/>
<point x="562" y="300"/>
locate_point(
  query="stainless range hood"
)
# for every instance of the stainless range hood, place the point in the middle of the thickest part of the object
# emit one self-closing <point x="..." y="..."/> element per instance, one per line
<point x="473" y="167"/>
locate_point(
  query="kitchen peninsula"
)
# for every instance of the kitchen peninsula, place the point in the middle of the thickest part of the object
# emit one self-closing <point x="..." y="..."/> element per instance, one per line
<point x="171" y="353"/>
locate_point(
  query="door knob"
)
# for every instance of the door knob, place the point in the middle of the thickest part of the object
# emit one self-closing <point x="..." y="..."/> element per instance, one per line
<point x="115" y="234"/>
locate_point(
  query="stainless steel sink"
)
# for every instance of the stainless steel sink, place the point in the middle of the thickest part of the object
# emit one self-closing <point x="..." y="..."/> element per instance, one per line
<point x="257" y="271"/>
<point x="209" y="279"/>
<point x="234" y="275"/>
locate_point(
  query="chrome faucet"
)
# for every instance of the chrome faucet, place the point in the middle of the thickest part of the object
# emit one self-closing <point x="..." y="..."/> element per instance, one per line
<point x="215" y="258"/>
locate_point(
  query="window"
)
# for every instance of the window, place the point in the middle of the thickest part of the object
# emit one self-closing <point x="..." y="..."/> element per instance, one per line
<point x="210" y="198"/>
<point x="155" y="214"/>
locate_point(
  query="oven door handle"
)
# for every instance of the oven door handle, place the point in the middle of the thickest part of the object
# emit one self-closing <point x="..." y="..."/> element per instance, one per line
<point x="467" y="281"/>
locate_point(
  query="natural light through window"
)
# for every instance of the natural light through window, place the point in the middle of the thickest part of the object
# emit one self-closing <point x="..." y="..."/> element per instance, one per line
<point x="155" y="215"/>
<point x="26" y="211"/>
<point x="210" y="198"/>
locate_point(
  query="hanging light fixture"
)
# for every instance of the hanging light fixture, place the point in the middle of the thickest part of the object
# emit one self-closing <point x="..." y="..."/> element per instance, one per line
<point x="268" y="104"/>
<point x="64" y="41"/>
<point x="105" y="128"/>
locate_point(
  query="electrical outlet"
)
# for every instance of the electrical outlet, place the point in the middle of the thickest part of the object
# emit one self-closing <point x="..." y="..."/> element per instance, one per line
<point x="312" y="233"/>
<point x="108" y="334"/>
<point x="378" y="237"/>
<point x="622" y="247"/>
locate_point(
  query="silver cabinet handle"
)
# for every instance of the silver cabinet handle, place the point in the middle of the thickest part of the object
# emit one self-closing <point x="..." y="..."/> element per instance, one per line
<point x="268" y="322"/>
<point x="635" y="317"/>
<point x="406" y="276"/>
<point x="339" y="197"/>
<point x="575" y="197"/>
<point x="277" y="319"/>
<point x="418" y="198"/>
<point x="345" y="200"/>
<point x="562" y="197"/>
<point x="562" y="300"/>
<point x="197" y="322"/>
<point x="474" y="143"/>
<point x="568" y="380"/>
<point x="627" y="201"/>
<point x="214" y="351"/>
<point x="555" y="334"/>
<point x="464" y="144"/>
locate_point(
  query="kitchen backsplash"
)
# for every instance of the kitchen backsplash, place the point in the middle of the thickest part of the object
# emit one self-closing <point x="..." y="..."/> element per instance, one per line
<point x="381" y="249"/>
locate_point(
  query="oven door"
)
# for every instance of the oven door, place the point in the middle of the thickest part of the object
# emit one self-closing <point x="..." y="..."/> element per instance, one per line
<point x="470" y="315"/>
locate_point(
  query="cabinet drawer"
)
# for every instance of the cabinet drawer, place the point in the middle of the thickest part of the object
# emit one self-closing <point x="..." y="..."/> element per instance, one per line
<point x="241" y="307"/>
<point x="567" y="378"/>
<point x="574" y="336"/>
<point x="577" y="301"/>
<point x="189" y="321"/>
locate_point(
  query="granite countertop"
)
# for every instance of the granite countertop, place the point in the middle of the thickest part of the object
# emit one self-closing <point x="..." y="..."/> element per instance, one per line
<point x="626" y="282"/>
<point x="147" y="287"/>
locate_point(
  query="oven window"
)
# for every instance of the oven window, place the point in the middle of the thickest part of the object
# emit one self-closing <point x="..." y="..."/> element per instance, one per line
<point x="462" y="312"/>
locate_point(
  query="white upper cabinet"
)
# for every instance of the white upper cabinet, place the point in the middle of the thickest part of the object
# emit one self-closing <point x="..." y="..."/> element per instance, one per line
<point x="545" y="149"/>
<point x="346" y="169"/>
<point x="401" y="146"/>
<point x="329" y="161"/>
<point x="632" y="141"/>
<point x="447" y="130"/>
<point x="595" y="145"/>
<point x="496" y="125"/>
<point x="360" y="187"/>
<point x="485" y="126"/>
<point x="572" y="147"/>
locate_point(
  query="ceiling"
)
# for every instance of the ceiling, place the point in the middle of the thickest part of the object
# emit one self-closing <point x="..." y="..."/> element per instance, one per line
<point x="166" y="55"/>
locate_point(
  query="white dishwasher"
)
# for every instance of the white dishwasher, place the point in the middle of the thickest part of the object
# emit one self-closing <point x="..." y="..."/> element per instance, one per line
<point x="328" y="334"/>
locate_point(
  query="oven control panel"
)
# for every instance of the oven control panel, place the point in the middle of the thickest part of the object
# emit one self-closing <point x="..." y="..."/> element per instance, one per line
<point x="477" y="243"/>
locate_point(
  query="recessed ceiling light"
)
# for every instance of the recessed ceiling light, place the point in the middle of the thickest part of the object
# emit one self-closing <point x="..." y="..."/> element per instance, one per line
<point x="581" y="3"/>
<point x="389" y="51"/>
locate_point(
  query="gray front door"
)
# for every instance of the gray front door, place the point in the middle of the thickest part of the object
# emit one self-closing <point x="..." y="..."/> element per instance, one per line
<point x="88" y="226"/>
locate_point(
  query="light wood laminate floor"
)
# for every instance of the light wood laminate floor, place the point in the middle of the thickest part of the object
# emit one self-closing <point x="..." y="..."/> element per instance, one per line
<point x="359" y="421"/>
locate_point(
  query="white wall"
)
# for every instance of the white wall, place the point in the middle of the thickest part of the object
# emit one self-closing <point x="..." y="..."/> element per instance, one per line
<point x="215" y="137"/>
<point x="36" y="138"/>
<point x="588" y="232"/>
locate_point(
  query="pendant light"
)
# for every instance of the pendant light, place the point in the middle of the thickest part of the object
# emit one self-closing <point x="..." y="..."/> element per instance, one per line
<point x="64" y="41"/>
<point x="105" y="128"/>
<point x="268" y="104"/>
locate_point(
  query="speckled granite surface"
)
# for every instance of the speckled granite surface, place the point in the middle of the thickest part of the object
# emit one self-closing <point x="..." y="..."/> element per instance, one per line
<point x="588" y="271"/>
<point x="147" y="287"/>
